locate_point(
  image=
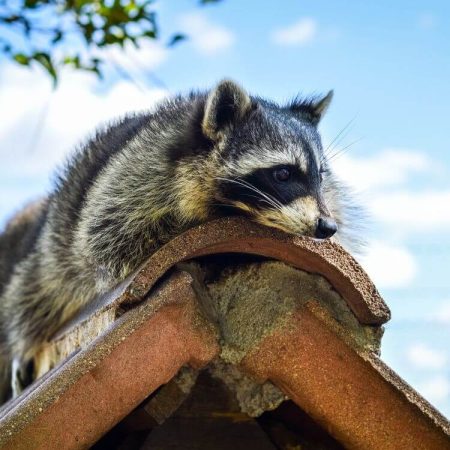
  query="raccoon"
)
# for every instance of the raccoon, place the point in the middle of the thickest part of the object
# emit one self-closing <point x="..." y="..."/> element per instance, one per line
<point x="145" y="179"/>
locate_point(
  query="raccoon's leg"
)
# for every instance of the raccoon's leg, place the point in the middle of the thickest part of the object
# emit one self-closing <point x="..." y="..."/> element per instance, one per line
<point x="21" y="375"/>
<point x="5" y="378"/>
<point x="16" y="383"/>
<point x="25" y="318"/>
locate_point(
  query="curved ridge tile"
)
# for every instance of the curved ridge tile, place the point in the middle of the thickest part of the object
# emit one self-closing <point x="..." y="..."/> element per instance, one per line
<point x="238" y="235"/>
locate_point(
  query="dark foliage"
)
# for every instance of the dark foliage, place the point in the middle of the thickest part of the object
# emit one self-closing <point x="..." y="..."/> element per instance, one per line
<point x="38" y="30"/>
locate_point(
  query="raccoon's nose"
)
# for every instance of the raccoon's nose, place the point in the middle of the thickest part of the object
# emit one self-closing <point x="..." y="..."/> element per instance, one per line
<point x="326" y="227"/>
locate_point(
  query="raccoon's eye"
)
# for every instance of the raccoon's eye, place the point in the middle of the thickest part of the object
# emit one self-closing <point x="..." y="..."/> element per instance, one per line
<point x="281" y="175"/>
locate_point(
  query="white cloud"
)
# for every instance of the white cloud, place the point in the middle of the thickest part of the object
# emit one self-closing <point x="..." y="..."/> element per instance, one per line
<point x="64" y="118"/>
<point x="423" y="356"/>
<point x="301" y="32"/>
<point x="413" y="211"/>
<point x="388" y="168"/>
<point x="136" y="61"/>
<point x="207" y="37"/>
<point x="384" y="179"/>
<point x="436" y="389"/>
<point x="389" y="266"/>
<point x="442" y="314"/>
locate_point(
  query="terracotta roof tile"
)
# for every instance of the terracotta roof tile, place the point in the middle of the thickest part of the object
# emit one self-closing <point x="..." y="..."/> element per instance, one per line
<point x="356" y="397"/>
<point x="343" y="386"/>
<point x="89" y="393"/>
<point x="241" y="236"/>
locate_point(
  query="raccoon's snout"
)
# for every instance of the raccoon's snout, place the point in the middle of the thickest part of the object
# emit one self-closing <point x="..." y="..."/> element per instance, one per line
<point x="326" y="227"/>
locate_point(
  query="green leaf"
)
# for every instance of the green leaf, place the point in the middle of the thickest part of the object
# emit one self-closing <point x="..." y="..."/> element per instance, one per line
<point x="150" y="34"/>
<point x="72" y="61"/>
<point x="10" y="19"/>
<point x="5" y="46"/>
<point x="31" y="4"/>
<point x="57" y="36"/>
<point x="176" y="38"/>
<point x="46" y="62"/>
<point x="22" y="59"/>
<point x="98" y="23"/>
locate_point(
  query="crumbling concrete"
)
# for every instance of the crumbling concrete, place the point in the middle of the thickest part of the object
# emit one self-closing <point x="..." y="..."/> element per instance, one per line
<point x="254" y="299"/>
<point x="249" y="301"/>
<point x="278" y="324"/>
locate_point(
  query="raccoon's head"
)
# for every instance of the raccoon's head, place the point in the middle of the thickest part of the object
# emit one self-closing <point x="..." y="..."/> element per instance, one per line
<point x="269" y="161"/>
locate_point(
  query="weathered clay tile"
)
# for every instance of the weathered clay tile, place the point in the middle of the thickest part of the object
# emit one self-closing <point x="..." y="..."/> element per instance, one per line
<point x="361" y="402"/>
<point x="101" y="384"/>
<point x="343" y="387"/>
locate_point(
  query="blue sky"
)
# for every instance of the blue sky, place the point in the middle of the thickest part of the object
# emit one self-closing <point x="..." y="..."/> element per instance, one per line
<point x="388" y="64"/>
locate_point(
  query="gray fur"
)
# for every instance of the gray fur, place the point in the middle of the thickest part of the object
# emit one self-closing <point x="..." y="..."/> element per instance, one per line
<point x="147" y="178"/>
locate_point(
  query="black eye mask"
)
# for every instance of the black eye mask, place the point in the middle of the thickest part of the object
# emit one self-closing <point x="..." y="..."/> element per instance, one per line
<point x="278" y="184"/>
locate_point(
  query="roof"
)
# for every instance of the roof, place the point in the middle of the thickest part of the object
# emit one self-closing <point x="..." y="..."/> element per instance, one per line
<point x="315" y="340"/>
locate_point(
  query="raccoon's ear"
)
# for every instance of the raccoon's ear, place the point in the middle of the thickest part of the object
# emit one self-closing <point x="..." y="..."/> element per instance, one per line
<point x="226" y="104"/>
<point x="312" y="110"/>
